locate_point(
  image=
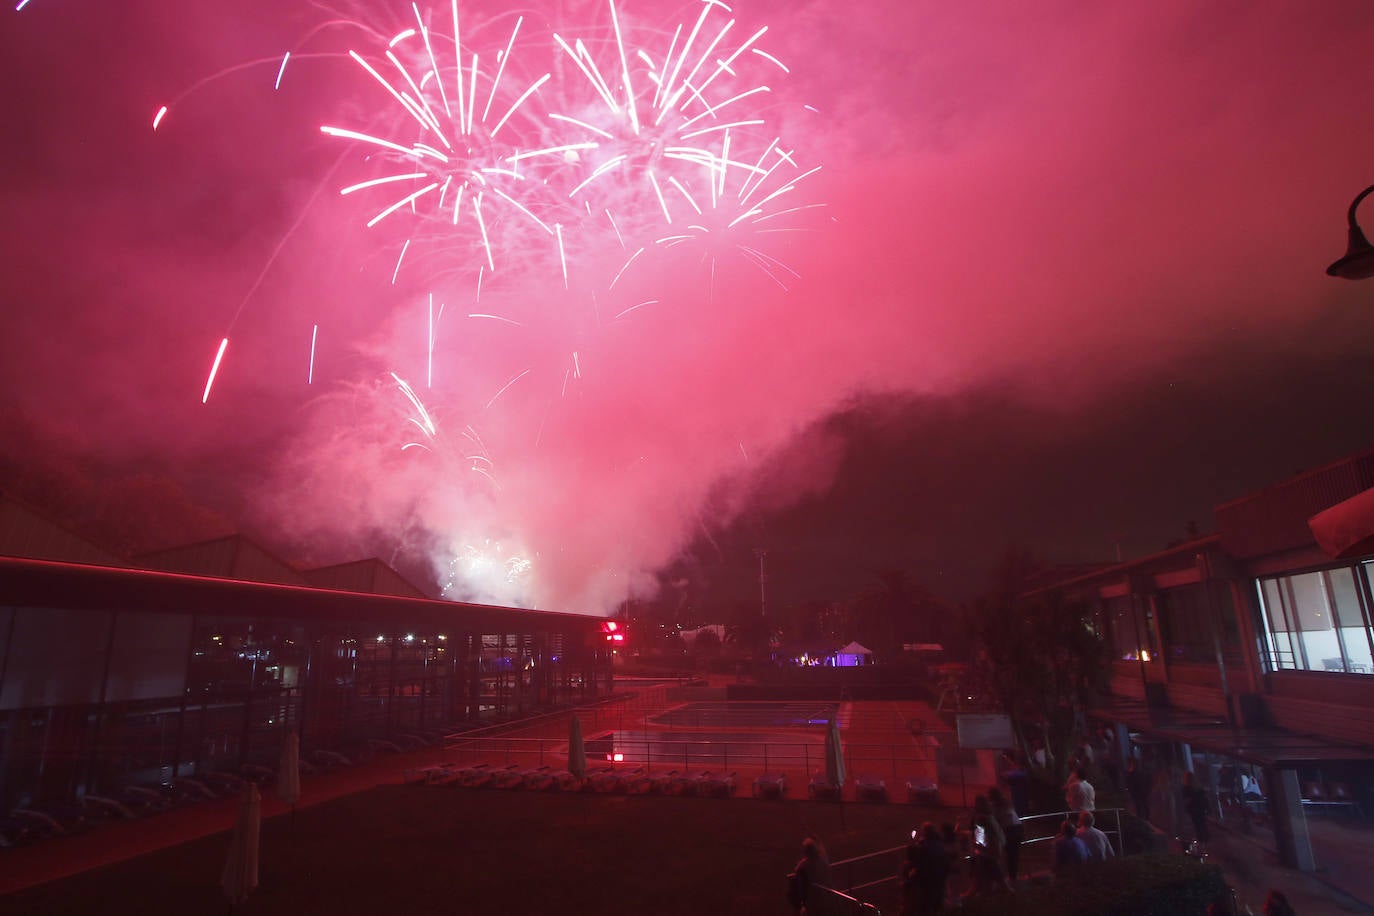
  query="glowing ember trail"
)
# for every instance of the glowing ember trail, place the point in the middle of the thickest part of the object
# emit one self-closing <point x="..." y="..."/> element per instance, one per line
<point x="214" y="369"/>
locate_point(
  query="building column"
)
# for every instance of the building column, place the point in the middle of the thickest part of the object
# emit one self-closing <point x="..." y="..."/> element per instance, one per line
<point x="1290" y="821"/>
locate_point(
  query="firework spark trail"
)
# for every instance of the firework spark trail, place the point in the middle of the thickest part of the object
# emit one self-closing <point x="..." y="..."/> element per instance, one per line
<point x="214" y="370"/>
<point x="459" y="153"/>
<point x="641" y="134"/>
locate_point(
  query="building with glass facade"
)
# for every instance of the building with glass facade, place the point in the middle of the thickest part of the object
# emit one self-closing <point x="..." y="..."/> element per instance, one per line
<point x="114" y="676"/>
<point x="1251" y="651"/>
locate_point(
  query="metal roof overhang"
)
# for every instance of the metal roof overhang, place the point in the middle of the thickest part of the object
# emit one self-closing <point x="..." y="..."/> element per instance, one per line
<point x="1266" y="747"/>
<point x="44" y="583"/>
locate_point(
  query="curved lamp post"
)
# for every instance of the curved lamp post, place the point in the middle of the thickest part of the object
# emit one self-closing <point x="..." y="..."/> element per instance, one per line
<point x="1358" y="263"/>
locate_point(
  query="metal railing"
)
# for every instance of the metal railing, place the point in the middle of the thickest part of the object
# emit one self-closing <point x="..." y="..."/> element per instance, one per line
<point x="840" y="902"/>
<point x="863" y="863"/>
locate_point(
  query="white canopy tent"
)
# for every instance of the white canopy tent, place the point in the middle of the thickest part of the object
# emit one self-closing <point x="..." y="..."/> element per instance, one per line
<point x="852" y="656"/>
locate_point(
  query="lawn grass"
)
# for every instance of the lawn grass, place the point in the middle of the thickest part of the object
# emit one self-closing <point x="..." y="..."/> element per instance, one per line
<point x="426" y="849"/>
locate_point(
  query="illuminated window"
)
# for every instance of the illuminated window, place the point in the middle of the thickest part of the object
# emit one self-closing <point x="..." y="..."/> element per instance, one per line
<point x="1318" y="621"/>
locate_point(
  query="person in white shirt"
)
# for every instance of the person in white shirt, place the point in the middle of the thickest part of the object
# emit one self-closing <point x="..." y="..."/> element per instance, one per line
<point x="1079" y="793"/>
<point x="1099" y="847"/>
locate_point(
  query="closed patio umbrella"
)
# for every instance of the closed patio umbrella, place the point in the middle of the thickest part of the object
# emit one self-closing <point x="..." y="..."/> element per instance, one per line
<point x="834" y="764"/>
<point x="577" y="749"/>
<point x="834" y="756"/>
<point x="240" y="875"/>
<point x="289" y="771"/>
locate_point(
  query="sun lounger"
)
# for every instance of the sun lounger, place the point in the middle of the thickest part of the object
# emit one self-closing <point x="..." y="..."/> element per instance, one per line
<point x="647" y="782"/>
<point x="922" y="790"/>
<point x="15" y="831"/>
<point x="512" y="777"/>
<point x="770" y="785"/>
<point x="426" y="775"/>
<point x="257" y="774"/>
<point x="223" y="783"/>
<point x="144" y="798"/>
<point x="822" y="789"/>
<point x="187" y="789"/>
<point x="540" y="779"/>
<point x="455" y="775"/>
<point x="870" y="788"/>
<point x="717" y="785"/>
<point x="478" y="779"/>
<point x="109" y="807"/>
<point x="564" y="781"/>
<point x="684" y="783"/>
<point x="40" y="823"/>
<point x="330" y="760"/>
<point x="593" y="774"/>
<point x="614" y="780"/>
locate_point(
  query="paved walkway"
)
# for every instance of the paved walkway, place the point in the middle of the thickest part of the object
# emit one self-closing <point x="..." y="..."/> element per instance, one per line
<point x="1343" y="883"/>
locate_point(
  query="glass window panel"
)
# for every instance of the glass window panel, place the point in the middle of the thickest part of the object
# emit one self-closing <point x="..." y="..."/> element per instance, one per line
<point x="1323" y="651"/>
<point x="149" y="656"/>
<point x="56" y="657"/>
<point x="1347" y="597"/>
<point x="1273" y="606"/>
<point x="1310" y="606"/>
<point x="1357" y="650"/>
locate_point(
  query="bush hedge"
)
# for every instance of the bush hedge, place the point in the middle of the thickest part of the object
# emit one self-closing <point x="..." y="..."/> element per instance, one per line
<point x="1148" y="885"/>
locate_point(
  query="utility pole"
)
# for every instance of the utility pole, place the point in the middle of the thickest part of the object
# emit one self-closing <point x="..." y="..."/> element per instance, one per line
<point x="763" y="582"/>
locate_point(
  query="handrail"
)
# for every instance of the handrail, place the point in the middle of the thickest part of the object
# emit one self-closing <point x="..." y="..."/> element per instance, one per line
<point x="1064" y="815"/>
<point x="858" y="904"/>
<point x="1118" y="849"/>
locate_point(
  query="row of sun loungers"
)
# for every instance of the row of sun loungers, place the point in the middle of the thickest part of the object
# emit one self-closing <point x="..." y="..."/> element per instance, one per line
<point x="641" y="781"/>
<point x="605" y="780"/>
<point x="920" y="790"/>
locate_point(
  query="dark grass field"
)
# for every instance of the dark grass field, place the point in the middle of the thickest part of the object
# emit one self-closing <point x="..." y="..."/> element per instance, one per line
<point x="423" y="849"/>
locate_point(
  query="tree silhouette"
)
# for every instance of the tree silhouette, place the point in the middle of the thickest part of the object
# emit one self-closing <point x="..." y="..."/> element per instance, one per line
<point x="1041" y="658"/>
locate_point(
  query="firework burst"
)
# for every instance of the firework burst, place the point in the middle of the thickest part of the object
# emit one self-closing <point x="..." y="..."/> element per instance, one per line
<point x="448" y="155"/>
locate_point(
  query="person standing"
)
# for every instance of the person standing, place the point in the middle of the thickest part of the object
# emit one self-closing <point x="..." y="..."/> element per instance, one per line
<point x="1099" y="847"/>
<point x="1070" y="853"/>
<point x="1138" y="783"/>
<point x="1013" y="831"/>
<point x="1195" y="805"/>
<point x="1276" y="904"/>
<point x="1079" y="793"/>
<point x="810" y="880"/>
<point x="1017" y="781"/>
<point x="925" y="873"/>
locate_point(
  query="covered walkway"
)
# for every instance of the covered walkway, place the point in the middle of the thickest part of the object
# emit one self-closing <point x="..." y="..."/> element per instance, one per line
<point x="1298" y="822"/>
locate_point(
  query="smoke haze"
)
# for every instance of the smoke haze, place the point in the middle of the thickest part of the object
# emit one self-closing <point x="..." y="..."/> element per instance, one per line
<point x="1037" y="218"/>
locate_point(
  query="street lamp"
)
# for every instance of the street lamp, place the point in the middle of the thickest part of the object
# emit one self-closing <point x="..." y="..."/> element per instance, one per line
<point x="1358" y="263"/>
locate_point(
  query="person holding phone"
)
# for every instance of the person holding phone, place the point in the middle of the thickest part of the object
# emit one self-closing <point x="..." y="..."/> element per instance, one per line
<point x="1012" y="830"/>
<point x="925" y="872"/>
<point x="986" y="873"/>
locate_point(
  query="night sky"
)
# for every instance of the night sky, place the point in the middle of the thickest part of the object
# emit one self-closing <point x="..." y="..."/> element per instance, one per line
<point x="1066" y="289"/>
